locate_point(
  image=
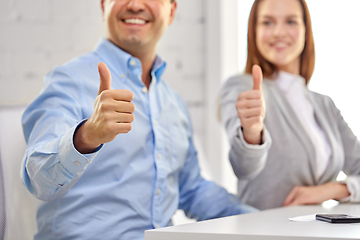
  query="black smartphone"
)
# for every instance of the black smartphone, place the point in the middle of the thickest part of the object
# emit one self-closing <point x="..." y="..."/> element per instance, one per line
<point x="337" y="218"/>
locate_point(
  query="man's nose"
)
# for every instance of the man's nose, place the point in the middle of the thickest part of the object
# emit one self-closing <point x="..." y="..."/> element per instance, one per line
<point x="135" y="5"/>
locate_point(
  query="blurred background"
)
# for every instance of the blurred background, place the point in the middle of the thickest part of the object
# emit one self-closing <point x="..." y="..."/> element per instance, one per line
<point x="204" y="46"/>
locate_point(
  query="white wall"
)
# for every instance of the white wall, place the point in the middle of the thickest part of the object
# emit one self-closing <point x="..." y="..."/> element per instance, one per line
<point x="337" y="48"/>
<point x="37" y="35"/>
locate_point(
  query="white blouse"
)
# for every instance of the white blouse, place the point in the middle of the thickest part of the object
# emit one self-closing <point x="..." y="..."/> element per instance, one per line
<point x="294" y="89"/>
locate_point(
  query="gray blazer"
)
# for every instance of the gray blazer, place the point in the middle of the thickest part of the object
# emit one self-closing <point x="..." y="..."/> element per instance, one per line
<point x="267" y="173"/>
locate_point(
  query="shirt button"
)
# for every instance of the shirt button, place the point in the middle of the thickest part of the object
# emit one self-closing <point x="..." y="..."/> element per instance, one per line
<point x="159" y="156"/>
<point x="132" y="62"/>
<point x="158" y="191"/>
<point x="122" y="75"/>
<point x="157" y="225"/>
<point x="155" y="123"/>
<point x="60" y="185"/>
<point x="144" y="90"/>
<point x="77" y="163"/>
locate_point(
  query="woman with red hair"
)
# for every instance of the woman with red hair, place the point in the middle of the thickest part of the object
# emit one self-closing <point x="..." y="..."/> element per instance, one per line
<point x="288" y="144"/>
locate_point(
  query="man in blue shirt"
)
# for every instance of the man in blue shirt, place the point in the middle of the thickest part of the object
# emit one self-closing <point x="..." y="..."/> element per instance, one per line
<point x="98" y="179"/>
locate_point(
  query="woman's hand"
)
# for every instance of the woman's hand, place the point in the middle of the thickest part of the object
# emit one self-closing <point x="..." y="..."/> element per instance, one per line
<point x="303" y="195"/>
<point x="251" y="109"/>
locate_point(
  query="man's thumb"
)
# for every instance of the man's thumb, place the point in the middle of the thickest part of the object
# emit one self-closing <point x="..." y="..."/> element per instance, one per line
<point x="257" y="76"/>
<point x="105" y="77"/>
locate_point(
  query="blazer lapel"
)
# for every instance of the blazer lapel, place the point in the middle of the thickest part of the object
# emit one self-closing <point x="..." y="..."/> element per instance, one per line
<point x="325" y="126"/>
<point x="292" y="119"/>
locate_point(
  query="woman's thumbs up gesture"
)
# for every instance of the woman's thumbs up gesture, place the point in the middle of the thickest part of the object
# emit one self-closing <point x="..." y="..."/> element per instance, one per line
<point x="251" y="109"/>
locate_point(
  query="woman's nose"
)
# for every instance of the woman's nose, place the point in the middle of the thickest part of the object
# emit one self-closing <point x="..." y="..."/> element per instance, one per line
<point x="279" y="30"/>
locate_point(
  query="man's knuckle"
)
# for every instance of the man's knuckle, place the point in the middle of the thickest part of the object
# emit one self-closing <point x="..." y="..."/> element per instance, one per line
<point x="132" y="107"/>
<point x="132" y="117"/>
<point x="104" y="94"/>
<point x="128" y="127"/>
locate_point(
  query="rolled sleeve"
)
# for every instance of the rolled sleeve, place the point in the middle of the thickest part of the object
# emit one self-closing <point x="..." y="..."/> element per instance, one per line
<point x="353" y="185"/>
<point x="51" y="171"/>
<point x="246" y="159"/>
<point x="69" y="157"/>
<point x="263" y="145"/>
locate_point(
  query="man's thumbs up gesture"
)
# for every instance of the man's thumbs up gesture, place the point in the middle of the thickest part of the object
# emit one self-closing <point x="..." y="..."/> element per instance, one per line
<point x="112" y="115"/>
<point x="251" y="109"/>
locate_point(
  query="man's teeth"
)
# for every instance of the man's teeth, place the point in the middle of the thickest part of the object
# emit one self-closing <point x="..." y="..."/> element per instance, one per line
<point x="135" y="21"/>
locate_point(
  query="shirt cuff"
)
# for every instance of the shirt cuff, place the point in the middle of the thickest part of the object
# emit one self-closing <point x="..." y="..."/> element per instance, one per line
<point x="265" y="135"/>
<point x="69" y="157"/>
<point x="351" y="185"/>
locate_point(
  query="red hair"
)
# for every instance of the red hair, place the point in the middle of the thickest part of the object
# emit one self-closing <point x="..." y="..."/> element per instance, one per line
<point x="307" y="60"/>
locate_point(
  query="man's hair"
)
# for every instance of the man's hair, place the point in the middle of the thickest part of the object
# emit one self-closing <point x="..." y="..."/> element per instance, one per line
<point x="307" y="57"/>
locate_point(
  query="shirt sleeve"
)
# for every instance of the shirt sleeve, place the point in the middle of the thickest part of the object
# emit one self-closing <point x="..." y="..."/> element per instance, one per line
<point x="52" y="165"/>
<point x="247" y="160"/>
<point x="351" y="147"/>
<point x="201" y="199"/>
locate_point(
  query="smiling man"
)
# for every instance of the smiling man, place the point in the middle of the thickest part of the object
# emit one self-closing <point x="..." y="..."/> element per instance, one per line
<point x="114" y="157"/>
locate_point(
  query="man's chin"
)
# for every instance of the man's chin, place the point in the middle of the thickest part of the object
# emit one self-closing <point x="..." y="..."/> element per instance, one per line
<point x="134" y="40"/>
<point x="132" y="43"/>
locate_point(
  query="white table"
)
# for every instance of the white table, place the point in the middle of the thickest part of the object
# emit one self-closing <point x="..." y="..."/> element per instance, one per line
<point x="270" y="225"/>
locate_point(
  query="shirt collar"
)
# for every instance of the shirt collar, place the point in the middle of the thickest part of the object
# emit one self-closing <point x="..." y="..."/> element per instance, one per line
<point x="119" y="60"/>
<point x="158" y="68"/>
<point x="286" y="80"/>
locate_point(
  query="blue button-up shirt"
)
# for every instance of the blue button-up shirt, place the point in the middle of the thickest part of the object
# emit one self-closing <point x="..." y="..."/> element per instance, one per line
<point x="134" y="183"/>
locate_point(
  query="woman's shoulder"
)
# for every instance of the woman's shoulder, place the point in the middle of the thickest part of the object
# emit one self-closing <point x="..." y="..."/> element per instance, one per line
<point x="238" y="83"/>
<point x="243" y="82"/>
<point x="324" y="101"/>
<point x="319" y="97"/>
<point x="239" y="79"/>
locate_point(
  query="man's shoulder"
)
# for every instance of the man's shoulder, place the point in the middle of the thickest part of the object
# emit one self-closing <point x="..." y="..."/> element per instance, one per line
<point x="76" y="70"/>
<point x="84" y="61"/>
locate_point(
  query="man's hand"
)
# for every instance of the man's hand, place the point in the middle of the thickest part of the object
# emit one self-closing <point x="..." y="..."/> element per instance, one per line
<point x="251" y="109"/>
<point x="302" y="195"/>
<point x="112" y="115"/>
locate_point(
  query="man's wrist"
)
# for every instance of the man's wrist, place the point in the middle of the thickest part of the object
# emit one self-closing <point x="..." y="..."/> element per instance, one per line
<point x="82" y="142"/>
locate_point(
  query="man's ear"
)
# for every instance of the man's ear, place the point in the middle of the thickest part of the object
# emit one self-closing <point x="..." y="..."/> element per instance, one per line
<point x="102" y="8"/>
<point x="172" y="13"/>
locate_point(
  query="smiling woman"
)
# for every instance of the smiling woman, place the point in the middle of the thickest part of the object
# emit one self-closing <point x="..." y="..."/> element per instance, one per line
<point x="288" y="143"/>
<point x="267" y="24"/>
